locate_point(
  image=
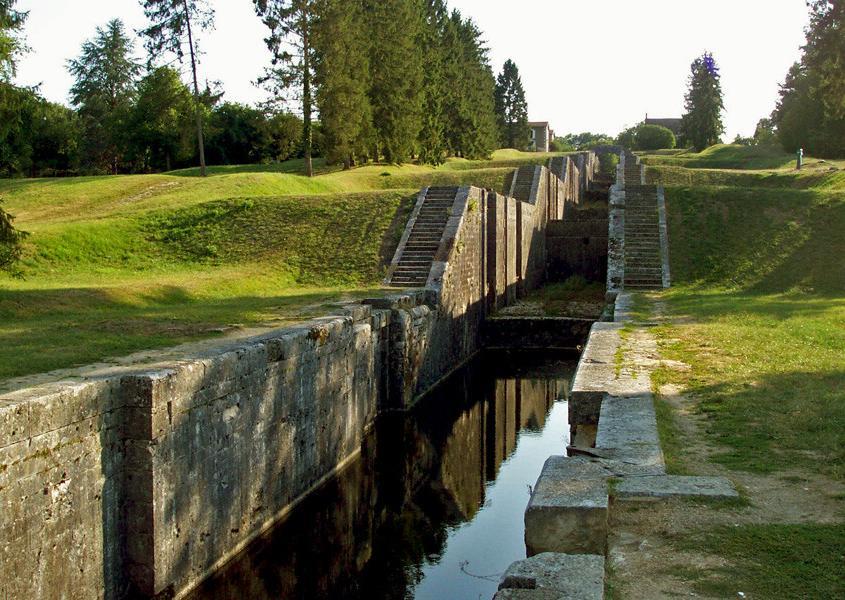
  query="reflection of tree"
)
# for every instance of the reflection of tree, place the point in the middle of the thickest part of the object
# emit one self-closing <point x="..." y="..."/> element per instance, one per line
<point x="370" y="531"/>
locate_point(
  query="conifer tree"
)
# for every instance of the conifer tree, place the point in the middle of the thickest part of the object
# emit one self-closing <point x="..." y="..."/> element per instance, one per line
<point x="342" y="75"/>
<point x="702" y="124"/>
<point x="291" y="76"/>
<point x="396" y="75"/>
<point x="471" y="115"/>
<point x="104" y="91"/>
<point x="174" y="23"/>
<point x="11" y="44"/>
<point x="511" y="108"/>
<point x="432" y="140"/>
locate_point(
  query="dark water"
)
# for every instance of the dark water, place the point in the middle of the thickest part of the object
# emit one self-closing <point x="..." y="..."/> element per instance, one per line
<point x="433" y="509"/>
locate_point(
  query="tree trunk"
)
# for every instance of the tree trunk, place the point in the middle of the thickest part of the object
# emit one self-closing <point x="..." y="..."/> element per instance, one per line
<point x="200" y="141"/>
<point x="306" y="94"/>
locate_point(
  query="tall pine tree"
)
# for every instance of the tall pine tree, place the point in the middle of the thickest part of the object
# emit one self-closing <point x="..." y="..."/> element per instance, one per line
<point x="471" y="116"/>
<point x="432" y="139"/>
<point x="702" y="124"/>
<point x="512" y="108"/>
<point x="104" y="92"/>
<point x="291" y="76"/>
<point x="396" y="75"/>
<point x="174" y="24"/>
<point x="342" y="74"/>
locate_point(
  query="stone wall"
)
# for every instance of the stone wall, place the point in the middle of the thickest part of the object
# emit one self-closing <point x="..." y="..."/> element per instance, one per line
<point x="578" y="245"/>
<point x="143" y="482"/>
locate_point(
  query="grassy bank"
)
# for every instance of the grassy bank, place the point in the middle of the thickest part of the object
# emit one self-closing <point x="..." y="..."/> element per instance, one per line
<point x="757" y="311"/>
<point x="118" y="264"/>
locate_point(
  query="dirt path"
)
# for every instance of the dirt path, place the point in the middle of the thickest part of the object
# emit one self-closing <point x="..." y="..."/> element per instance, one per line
<point x="643" y="548"/>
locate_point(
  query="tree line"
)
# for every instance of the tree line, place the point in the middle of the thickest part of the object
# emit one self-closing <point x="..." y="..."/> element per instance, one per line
<point x="352" y="81"/>
<point x="810" y="112"/>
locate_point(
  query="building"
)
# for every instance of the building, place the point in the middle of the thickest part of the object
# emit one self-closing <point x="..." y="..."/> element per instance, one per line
<point x="673" y="125"/>
<point x="541" y="136"/>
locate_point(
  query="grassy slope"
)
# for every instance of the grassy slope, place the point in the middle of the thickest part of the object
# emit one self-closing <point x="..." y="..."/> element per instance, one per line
<point x="127" y="263"/>
<point x="759" y="307"/>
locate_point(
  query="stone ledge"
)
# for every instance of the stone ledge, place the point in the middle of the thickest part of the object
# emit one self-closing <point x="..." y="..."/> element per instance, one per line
<point x="568" y="508"/>
<point x="554" y="576"/>
<point x="675" y="486"/>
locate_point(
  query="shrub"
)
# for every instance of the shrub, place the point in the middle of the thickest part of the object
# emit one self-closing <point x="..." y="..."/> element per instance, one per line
<point x="10" y="243"/>
<point x="654" y="137"/>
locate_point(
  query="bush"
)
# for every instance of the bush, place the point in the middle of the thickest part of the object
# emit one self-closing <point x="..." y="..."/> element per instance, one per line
<point x="10" y="243"/>
<point x="654" y="137"/>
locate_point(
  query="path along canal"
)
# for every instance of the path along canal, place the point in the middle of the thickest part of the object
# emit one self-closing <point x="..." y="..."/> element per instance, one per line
<point x="433" y="507"/>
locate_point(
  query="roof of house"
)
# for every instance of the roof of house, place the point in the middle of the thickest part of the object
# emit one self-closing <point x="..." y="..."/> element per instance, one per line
<point x="538" y="124"/>
<point x="671" y="124"/>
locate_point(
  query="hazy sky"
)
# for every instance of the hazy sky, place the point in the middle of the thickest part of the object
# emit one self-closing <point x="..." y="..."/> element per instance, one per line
<point x="586" y="65"/>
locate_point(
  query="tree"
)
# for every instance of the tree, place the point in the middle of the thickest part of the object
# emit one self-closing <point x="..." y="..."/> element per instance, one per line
<point x="396" y="81"/>
<point x="11" y="242"/>
<point x="511" y="108"/>
<point x="470" y="107"/>
<point x="173" y="25"/>
<point x="810" y="113"/>
<point x="161" y="120"/>
<point x="291" y="25"/>
<point x="432" y="139"/>
<point x="702" y="124"/>
<point x="104" y="92"/>
<point x="653" y="137"/>
<point x="342" y="74"/>
<point x="764" y="133"/>
<point x="11" y="44"/>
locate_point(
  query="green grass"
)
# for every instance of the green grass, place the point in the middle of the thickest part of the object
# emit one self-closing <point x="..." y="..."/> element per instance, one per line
<point x="724" y="156"/>
<point x="759" y="290"/>
<point x="117" y="264"/>
<point x="772" y="561"/>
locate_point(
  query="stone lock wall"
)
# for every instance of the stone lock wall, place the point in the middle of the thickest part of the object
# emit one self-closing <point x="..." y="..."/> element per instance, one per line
<point x="141" y="483"/>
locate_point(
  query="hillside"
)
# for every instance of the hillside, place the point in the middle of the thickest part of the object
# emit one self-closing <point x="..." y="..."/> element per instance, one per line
<point x="118" y="264"/>
<point x="757" y="315"/>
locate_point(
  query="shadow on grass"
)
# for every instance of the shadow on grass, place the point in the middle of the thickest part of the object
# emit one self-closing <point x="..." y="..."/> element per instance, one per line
<point x="43" y="330"/>
<point x="777" y="421"/>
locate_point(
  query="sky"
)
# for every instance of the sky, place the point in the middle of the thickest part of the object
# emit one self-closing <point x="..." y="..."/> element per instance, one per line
<point x="586" y="65"/>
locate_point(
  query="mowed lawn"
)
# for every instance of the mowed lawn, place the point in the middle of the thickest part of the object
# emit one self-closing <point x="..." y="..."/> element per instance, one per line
<point x="117" y="264"/>
<point x="757" y="310"/>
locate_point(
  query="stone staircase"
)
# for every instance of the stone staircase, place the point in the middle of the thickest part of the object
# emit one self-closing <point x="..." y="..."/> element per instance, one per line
<point x="414" y="264"/>
<point x="643" y="258"/>
<point x="524" y="180"/>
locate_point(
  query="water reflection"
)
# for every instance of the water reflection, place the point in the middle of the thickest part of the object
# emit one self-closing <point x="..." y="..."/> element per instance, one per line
<point x="434" y="506"/>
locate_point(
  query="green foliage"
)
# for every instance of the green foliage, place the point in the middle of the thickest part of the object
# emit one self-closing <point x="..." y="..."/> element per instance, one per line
<point x="11" y="241"/>
<point x="702" y="124"/>
<point x="291" y="75"/>
<point x="11" y="44"/>
<point x="608" y="162"/>
<point x="342" y="77"/>
<point x="585" y="140"/>
<point x="764" y="133"/>
<point x="811" y="111"/>
<point x="653" y="137"/>
<point x="104" y="91"/>
<point x="161" y="120"/>
<point x="432" y="138"/>
<point x="511" y="108"/>
<point x="395" y="88"/>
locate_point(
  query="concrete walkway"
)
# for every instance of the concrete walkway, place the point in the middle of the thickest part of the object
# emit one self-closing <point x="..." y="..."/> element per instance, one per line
<point x="566" y="522"/>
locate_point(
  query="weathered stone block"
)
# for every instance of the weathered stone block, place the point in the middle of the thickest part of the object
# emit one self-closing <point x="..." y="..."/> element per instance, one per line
<point x="567" y="511"/>
<point x="670" y="486"/>
<point x="554" y="575"/>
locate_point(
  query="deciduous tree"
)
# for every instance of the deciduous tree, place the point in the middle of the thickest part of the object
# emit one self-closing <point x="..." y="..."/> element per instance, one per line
<point x="174" y="26"/>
